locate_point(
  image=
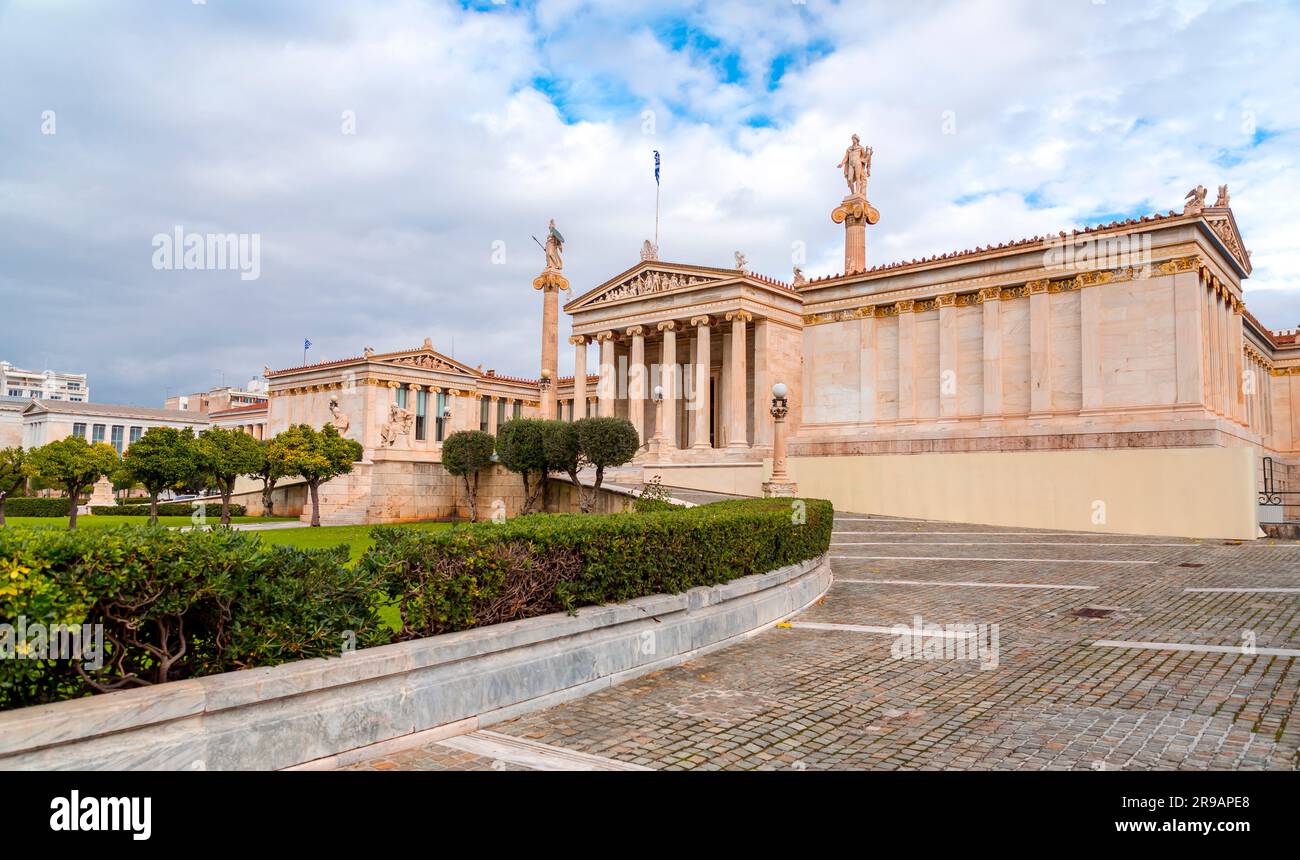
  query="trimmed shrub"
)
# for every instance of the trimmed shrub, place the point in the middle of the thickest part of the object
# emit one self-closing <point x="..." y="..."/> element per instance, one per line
<point x="175" y="605"/>
<point x="488" y="573"/>
<point x="36" y="507"/>
<point x="165" y="509"/>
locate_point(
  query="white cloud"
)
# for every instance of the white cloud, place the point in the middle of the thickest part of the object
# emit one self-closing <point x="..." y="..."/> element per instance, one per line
<point x="226" y="117"/>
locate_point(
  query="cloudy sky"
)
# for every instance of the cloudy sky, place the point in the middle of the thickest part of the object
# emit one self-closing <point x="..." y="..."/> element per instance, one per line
<point x="393" y="158"/>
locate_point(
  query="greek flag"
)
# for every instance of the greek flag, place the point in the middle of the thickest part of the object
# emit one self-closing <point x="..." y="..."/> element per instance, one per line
<point x="306" y="344"/>
<point x="656" y="167"/>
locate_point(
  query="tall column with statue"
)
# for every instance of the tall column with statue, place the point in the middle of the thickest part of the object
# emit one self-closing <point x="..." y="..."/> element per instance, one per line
<point x="854" y="211"/>
<point x="550" y="282"/>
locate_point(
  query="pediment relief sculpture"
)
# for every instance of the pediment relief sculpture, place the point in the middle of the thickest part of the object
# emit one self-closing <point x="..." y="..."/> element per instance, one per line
<point x="650" y="282"/>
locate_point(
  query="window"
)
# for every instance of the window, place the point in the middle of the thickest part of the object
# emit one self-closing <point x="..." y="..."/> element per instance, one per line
<point x="56" y="396"/>
<point x="519" y="406"/>
<point x="15" y="392"/>
<point x="117" y="437"/>
<point x="75" y="399"/>
<point x="501" y="411"/>
<point x="439" y="416"/>
<point x="97" y="433"/>
<point x="74" y="386"/>
<point x="401" y="397"/>
<point x="79" y="430"/>
<point x="421" y="405"/>
<point x="483" y="405"/>
<point x="136" y="432"/>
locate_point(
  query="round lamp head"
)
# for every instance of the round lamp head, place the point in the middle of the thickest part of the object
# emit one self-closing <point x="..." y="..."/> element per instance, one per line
<point x="546" y="374"/>
<point x="779" y="391"/>
<point x="659" y="392"/>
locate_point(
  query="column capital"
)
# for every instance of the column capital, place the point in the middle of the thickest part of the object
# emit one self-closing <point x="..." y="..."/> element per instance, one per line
<point x="393" y="383"/>
<point x="435" y="389"/>
<point x="635" y="331"/>
<point x="415" y="387"/>
<point x="667" y="325"/>
<point x="701" y="321"/>
<point x="743" y="316"/>
<point x="578" y="339"/>
<point x="602" y="336"/>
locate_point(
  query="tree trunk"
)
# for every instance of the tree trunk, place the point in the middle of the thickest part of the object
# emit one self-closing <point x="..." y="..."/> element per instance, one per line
<point x="73" y="492"/>
<point x="3" y="496"/>
<point x="528" y="496"/>
<point x="469" y="497"/>
<point x="268" y="500"/>
<point x="315" y="503"/>
<point x="225" y="501"/>
<point x="153" y="508"/>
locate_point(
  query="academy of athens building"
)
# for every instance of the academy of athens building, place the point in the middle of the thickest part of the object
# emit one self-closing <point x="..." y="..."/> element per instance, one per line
<point x="1109" y="379"/>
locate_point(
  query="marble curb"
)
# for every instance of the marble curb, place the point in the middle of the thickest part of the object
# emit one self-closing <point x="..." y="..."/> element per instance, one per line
<point x="314" y="712"/>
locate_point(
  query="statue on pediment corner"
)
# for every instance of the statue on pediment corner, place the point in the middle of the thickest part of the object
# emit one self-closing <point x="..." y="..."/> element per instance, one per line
<point x="1194" y="202"/>
<point x="1223" y="197"/>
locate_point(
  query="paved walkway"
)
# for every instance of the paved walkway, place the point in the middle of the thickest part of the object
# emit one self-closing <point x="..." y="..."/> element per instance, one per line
<point x="1111" y="652"/>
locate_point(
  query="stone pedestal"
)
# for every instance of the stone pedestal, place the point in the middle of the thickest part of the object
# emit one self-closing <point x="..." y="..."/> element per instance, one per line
<point x="102" y="494"/>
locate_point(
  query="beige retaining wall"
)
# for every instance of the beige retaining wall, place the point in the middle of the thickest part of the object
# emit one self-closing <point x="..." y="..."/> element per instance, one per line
<point x="1184" y="492"/>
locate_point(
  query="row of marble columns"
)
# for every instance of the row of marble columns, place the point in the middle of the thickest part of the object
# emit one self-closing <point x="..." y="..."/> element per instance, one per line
<point x="1224" y="359"/>
<point x="640" y="387"/>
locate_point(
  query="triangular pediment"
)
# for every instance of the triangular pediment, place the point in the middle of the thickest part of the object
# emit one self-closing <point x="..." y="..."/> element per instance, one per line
<point x="1224" y="226"/>
<point x="427" y="359"/>
<point x="648" y="278"/>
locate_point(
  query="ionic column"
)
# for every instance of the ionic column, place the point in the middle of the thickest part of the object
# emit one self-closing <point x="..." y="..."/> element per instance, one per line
<point x="579" y="376"/>
<point x="492" y="413"/>
<point x="1040" y="350"/>
<point x="1225" y="351"/>
<point x="636" y="375"/>
<point x="906" y="361"/>
<point x="737" y="373"/>
<point x="948" y="399"/>
<point x="702" y="361"/>
<point x="668" y="381"/>
<point x="990" y="298"/>
<point x="606" y="388"/>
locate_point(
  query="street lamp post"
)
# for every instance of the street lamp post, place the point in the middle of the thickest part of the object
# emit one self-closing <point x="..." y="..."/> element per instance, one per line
<point x="657" y="443"/>
<point x="780" y="485"/>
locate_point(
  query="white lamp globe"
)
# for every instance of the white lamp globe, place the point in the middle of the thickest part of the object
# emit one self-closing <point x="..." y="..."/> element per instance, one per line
<point x="659" y="392"/>
<point x="779" y="391"/>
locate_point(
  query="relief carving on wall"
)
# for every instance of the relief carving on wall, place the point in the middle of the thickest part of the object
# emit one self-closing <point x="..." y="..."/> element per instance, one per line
<point x="427" y="361"/>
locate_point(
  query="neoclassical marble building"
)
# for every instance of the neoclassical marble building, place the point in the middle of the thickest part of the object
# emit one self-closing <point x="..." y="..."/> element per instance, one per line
<point x="1108" y="379"/>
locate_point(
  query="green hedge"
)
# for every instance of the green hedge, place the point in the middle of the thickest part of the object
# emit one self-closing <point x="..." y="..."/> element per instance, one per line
<point x="240" y="602"/>
<point x="35" y="507"/>
<point x="487" y="573"/>
<point x="166" y="509"/>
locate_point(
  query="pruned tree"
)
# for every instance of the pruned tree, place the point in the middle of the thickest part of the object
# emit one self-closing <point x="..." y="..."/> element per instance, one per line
<point x="598" y="442"/>
<point x="464" y="454"/>
<point x="271" y="472"/>
<point x="13" y="474"/>
<point x="605" y="443"/>
<point x="521" y="448"/>
<point x="224" y="455"/>
<point x="163" y="458"/>
<point x="314" y="455"/>
<point x="72" y="464"/>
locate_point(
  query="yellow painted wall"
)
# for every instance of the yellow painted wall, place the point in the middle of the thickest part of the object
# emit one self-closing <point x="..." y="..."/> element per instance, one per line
<point x="738" y="480"/>
<point x="1184" y="492"/>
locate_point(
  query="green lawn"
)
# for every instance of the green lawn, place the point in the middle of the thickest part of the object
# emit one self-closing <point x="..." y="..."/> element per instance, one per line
<point x="356" y="537"/>
<point x="91" y="521"/>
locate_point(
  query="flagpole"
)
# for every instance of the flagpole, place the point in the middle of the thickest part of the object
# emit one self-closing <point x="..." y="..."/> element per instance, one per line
<point x="656" y="217"/>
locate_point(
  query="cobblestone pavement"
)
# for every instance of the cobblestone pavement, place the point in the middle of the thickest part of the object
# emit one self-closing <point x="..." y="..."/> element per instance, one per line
<point x="826" y="696"/>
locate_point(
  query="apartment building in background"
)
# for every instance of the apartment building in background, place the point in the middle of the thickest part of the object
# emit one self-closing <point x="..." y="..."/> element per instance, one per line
<point x="43" y="384"/>
<point x="220" y="399"/>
